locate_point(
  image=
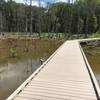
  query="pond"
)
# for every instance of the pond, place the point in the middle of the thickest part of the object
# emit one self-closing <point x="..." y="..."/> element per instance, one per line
<point x="19" y="59"/>
<point x="92" y="52"/>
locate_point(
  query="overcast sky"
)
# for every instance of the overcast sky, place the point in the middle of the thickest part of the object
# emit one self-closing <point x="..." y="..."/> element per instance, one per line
<point x="35" y="2"/>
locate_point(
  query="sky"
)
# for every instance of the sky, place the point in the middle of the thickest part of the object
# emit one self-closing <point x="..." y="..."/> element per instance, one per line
<point x="43" y="0"/>
<point x="35" y="2"/>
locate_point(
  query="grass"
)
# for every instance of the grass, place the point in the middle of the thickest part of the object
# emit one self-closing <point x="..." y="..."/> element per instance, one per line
<point x="96" y="35"/>
<point x="53" y="35"/>
<point x="44" y="34"/>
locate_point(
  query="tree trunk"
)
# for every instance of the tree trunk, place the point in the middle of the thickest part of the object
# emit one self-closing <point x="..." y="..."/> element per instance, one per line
<point x="30" y="17"/>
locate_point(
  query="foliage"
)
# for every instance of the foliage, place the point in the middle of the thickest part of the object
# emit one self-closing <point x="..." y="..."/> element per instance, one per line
<point x="96" y="35"/>
<point x="12" y="52"/>
<point x="80" y="17"/>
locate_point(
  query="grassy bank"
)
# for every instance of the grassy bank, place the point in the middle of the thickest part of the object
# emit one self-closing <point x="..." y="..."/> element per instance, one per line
<point x="22" y="35"/>
<point x="96" y="35"/>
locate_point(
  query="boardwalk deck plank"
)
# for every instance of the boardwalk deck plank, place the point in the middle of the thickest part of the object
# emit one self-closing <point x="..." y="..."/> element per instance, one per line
<point x="64" y="77"/>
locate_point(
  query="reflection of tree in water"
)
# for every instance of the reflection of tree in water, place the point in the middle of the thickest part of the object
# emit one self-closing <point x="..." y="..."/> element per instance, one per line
<point x="32" y="65"/>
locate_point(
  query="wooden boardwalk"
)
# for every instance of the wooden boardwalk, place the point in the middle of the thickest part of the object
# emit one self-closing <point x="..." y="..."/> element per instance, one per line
<point x="64" y="76"/>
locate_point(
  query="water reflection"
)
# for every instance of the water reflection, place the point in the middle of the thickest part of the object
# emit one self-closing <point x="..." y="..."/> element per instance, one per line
<point x="12" y="75"/>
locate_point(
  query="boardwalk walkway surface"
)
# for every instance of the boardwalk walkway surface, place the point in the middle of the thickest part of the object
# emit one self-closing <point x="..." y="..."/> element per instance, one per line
<point x="64" y="77"/>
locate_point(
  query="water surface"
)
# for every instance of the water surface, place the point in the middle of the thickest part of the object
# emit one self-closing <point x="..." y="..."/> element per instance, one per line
<point x="15" y="70"/>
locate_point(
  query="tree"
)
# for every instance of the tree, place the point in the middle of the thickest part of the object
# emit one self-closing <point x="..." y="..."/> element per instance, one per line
<point x="31" y="17"/>
<point x="82" y="16"/>
<point x="67" y="19"/>
<point x="97" y="13"/>
<point x="2" y="3"/>
<point x="92" y="24"/>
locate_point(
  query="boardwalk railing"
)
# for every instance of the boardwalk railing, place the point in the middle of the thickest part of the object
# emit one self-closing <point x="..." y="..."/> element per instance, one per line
<point x="91" y="80"/>
<point x="92" y="76"/>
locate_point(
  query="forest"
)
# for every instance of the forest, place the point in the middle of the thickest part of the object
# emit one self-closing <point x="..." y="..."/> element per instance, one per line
<point x="80" y="17"/>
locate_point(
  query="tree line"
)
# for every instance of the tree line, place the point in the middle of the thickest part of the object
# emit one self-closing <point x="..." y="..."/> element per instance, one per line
<point x="80" y="17"/>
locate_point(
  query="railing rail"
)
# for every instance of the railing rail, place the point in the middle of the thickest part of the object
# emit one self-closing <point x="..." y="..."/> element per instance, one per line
<point x="92" y="76"/>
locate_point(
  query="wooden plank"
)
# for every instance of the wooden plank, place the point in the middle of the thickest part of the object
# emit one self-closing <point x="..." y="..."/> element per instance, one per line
<point x="55" y="96"/>
<point x="38" y="97"/>
<point x="21" y="98"/>
<point x="73" y="85"/>
<point x="60" y="87"/>
<point x="61" y="82"/>
<point x="59" y="91"/>
<point x="46" y="98"/>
